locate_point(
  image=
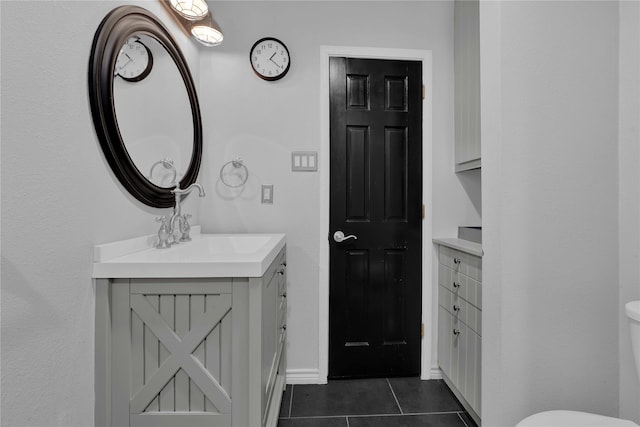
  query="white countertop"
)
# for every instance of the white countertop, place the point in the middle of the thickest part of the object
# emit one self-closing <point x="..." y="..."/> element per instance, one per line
<point x="207" y="255"/>
<point x="472" y="248"/>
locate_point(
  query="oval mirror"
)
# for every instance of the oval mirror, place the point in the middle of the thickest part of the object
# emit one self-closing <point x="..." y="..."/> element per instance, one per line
<point x="144" y="105"/>
<point x="161" y="139"/>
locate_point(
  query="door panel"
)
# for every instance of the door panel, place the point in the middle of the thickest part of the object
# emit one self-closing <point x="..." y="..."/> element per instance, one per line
<point x="376" y="195"/>
<point x="357" y="174"/>
<point x="395" y="174"/>
<point x="394" y="322"/>
<point x="357" y="273"/>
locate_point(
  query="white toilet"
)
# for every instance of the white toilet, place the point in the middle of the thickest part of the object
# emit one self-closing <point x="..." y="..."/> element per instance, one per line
<point x="584" y="419"/>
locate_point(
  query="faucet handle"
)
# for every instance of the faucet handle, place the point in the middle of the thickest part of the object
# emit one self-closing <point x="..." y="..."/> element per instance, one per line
<point x="163" y="233"/>
<point x="185" y="228"/>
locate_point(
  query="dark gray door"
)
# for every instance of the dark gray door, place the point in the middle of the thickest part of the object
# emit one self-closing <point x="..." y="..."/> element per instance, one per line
<point x="376" y="195"/>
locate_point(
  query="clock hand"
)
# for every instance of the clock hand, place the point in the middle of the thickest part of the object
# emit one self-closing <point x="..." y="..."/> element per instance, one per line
<point x="274" y="54"/>
<point x="277" y="65"/>
<point x="125" y="64"/>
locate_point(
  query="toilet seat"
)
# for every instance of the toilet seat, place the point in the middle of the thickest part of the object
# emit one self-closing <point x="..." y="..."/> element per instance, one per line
<point x="572" y="419"/>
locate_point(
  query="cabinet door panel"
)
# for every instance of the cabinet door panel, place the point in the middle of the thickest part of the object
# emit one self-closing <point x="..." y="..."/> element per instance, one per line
<point x="167" y="399"/>
<point x="478" y="378"/>
<point x="270" y="302"/>
<point x="467" y="84"/>
<point x="196" y="397"/>
<point x="462" y="340"/>
<point x="176" y="350"/>
<point x="469" y="388"/>
<point x="444" y="341"/>
<point x="455" y="351"/>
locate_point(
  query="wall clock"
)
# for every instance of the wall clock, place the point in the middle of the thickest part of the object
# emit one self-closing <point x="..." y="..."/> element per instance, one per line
<point x="270" y="59"/>
<point x="134" y="61"/>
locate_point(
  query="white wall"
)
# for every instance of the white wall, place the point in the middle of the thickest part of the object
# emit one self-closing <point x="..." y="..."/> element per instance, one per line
<point x="263" y="122"/>
<point x="550" y="208"/>
<point x="550" y="194"/>
<point x="629" y="193"/>
<point x="59" y="199"/>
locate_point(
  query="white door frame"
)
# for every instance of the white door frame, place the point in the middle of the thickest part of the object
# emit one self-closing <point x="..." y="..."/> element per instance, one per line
<point x="425" y="57"/>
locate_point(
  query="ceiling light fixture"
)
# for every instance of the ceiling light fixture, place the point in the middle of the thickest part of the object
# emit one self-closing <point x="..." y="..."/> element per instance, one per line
<point x="190" y="9"/>
<point x="196" y="20"/>
<point x="207" y="31"/>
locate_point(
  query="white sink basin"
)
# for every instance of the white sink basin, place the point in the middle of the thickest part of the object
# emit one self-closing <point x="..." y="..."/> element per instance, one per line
<point x="207" y="255"/>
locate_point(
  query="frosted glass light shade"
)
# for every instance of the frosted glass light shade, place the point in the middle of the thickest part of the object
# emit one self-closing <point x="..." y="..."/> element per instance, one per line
<point x="207" y="35"/>
<point x="190" y="9"/>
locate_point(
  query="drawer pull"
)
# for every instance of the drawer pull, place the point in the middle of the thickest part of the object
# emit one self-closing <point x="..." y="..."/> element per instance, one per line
<point x="456" y="307"/>
<point x="284" y="327"/>
<point x="456" y="285"/>
<point x="456" y="332"/>
<point x="456" y="260"/>
<point x="284" y="295"/>
<point x="282" y="270"/>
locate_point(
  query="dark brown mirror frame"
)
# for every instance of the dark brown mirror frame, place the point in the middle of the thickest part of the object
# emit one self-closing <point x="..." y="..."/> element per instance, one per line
<point x="114" y="30"/>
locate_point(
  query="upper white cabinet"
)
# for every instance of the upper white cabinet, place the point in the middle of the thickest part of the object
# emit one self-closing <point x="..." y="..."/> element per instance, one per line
<point x="466" y="45"/>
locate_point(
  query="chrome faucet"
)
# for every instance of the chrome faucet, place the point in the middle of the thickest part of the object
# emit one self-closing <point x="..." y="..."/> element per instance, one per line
<point x="168" y="228"/>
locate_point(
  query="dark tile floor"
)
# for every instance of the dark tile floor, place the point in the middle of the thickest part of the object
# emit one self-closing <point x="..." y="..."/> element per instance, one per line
<point x="380" y="402"/>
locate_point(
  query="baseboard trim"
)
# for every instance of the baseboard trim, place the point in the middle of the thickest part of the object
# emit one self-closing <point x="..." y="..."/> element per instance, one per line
<point x="304" y="376"/>
<point x="312" y="376"/>
<point x="436" y="374"/>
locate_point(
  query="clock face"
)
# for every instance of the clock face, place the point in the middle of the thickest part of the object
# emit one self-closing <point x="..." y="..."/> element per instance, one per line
<point x="134" y="61"/>
<point x="270" y="59"/>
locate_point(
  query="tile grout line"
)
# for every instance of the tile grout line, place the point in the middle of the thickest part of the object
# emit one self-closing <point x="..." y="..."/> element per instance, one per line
<point x="462" y="419"/>
<point x="409" y="414"/>
<point x="291" y="400"/>
<point x="323" y="417"/>
<point x="302" y="417"/>
<point x="394" y="396"/>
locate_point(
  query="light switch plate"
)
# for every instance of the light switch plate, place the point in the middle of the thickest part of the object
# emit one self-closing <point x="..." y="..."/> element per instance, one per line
<point x="304" y="161"/>
<point x="267" y="194"/>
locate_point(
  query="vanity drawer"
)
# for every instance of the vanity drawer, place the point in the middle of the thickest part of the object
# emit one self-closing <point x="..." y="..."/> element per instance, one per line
<point x="282" y="312"/>
<point x="277" y="272"/>
<point x="282" y="291"/>
<point x="464" y="286"/>
<point x="282" y="339"/>
<point x="461" y="262"/>
<point x="461" y="309"/>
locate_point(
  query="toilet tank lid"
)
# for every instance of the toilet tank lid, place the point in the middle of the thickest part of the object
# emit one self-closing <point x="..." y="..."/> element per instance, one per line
<point x="633" y="310"/>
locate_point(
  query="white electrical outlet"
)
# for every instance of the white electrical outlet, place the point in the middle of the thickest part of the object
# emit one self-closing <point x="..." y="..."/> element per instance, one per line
<point x="267" y="194"/>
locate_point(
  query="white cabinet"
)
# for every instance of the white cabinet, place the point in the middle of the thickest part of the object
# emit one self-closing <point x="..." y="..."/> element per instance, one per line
<point x="191" y="352"/>
<point x="466" y="48"/>
<point x="460" y="325"/>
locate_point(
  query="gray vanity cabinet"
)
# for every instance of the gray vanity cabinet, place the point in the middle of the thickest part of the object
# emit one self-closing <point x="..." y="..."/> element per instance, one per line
<point x="460" y="325"/>
<point x="191" y="352"/>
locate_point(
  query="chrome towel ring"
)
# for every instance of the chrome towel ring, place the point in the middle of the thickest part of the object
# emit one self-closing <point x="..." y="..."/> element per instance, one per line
<point x="234" y="174"/>
<point x="168" y="164"/>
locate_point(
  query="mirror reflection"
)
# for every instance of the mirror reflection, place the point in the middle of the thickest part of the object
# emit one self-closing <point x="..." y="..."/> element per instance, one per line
<point x="147" y="80"/>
